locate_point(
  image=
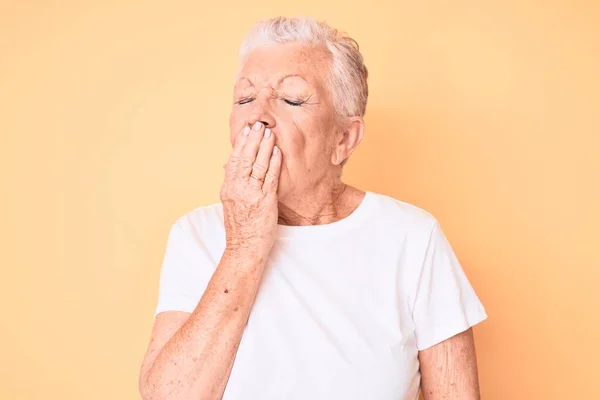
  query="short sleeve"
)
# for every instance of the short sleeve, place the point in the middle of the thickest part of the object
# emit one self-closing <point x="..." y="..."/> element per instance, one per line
<point x="185" y="273"/>
<point x="445" y="303"/>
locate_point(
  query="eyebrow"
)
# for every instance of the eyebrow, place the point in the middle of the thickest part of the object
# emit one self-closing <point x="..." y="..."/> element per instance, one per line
<point x="290" y="76"/>
<point x="278" y="81"/>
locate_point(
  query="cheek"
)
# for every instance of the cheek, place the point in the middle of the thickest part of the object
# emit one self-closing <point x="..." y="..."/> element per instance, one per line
<point x="303" y="136"/>
<point x="303" y="147"/>
<point x="313" y="138"/>
<point x="292" y="140"/>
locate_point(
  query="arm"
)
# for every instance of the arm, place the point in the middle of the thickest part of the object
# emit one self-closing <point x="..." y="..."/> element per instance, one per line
<point x="190" y="356"/>
<point x="449" y="369"/>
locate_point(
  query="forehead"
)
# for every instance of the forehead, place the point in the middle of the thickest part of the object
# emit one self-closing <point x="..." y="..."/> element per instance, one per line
<point x="267" y="65"/>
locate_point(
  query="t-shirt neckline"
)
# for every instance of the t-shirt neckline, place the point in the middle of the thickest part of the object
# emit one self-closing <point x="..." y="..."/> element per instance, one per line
<point x="355" y="218"/>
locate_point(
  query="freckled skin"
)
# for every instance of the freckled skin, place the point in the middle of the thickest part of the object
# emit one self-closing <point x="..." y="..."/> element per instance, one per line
<point x="310" y="188"/>
<point x="449" y="369"/>
<point x="190" y="355"/>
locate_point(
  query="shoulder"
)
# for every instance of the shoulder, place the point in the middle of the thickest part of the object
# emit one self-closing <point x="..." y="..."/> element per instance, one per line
<point x="201" y="220"/>
<point x="398" y="214"/>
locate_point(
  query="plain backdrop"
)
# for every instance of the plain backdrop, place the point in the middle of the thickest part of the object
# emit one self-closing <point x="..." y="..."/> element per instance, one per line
<point x="114" y="122"/>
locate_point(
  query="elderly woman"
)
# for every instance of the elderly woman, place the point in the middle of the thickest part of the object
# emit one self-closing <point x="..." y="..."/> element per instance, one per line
<point x="296" y="285"/>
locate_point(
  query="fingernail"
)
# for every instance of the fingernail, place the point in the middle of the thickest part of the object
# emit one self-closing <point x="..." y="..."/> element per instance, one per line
<point x="246" y="130"/>
<point x="267" y="133"/>
<point x="275" y="150"/>
<point x="256" y="126"/>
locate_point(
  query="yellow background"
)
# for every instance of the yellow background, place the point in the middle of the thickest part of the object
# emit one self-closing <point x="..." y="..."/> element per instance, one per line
<point x="113" y="122"/>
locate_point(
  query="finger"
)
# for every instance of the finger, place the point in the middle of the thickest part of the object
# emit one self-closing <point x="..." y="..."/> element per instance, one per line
<point x="234" y="157"/>
<point x="272" y="178"/>
<point x="240" y="142"/>
<point x="261" y="163"/>
<point x="250" y="150"/>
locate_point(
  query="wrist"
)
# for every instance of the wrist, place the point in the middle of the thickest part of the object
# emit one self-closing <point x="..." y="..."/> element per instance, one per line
<point x="244" y="255"/>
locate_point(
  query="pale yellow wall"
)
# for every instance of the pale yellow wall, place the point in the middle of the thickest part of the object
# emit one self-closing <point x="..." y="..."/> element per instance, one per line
<point x="113" y="122"/>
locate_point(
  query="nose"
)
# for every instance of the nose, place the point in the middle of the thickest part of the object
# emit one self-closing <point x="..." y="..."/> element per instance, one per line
<point x="261" y="111"/>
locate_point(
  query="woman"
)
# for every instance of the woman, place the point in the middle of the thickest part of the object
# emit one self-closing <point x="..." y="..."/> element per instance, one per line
<point x="296" y="285"/>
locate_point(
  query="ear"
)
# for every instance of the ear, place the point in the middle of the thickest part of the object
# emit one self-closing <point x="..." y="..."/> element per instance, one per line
<point x="347" y="139"/>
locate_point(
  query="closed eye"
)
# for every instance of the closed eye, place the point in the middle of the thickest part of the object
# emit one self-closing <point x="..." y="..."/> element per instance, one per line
<point x="293" y="103"/>
<point x="290" y="102"/>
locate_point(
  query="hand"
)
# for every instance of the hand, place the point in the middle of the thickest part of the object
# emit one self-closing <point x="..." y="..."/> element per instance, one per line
<point x="249" y="192"/>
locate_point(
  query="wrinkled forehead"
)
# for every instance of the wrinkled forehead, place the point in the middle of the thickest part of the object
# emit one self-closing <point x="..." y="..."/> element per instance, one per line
<point x="299" y="64"/>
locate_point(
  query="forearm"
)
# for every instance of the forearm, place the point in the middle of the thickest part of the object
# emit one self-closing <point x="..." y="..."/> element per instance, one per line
<point x="196" y="362"/>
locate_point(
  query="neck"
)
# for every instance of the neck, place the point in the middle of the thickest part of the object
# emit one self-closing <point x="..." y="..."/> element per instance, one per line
<point x="320" y="205"/>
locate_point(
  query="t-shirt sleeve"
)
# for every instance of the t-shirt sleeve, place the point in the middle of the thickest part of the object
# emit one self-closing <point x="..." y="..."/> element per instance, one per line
<point x="185" y="272"/>
<point x="445" y="302"/>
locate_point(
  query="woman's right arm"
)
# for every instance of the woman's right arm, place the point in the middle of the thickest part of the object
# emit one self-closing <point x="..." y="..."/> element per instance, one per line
<point x="190" y="356"/>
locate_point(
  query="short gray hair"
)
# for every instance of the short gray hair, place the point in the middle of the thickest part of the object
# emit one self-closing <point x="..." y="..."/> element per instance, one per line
<point x="347" y="79"/>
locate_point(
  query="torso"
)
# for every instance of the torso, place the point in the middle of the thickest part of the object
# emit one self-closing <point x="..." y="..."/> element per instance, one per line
<point x="332" y="315"/>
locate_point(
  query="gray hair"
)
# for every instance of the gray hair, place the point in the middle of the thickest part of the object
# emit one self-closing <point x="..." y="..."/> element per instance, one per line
<point x="347" y="79"/>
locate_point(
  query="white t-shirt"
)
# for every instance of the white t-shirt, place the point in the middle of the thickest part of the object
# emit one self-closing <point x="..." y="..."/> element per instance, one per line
<point x="343" y="308"/>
